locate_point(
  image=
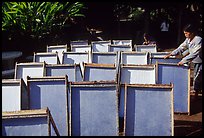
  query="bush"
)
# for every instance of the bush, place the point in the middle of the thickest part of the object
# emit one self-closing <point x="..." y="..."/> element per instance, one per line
<point x="38" y="19"/>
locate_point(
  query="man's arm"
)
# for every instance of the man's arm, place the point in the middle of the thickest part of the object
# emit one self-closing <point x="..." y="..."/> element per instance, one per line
<point x="182" y="47"/>
<point x="192" y="55"/>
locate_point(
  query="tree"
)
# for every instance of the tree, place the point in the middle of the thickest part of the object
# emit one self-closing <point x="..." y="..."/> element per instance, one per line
<point x="149" y="14"/>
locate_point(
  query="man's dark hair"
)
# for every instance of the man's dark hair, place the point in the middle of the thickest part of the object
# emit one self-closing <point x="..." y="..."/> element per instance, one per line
<point x="190" y="28"/>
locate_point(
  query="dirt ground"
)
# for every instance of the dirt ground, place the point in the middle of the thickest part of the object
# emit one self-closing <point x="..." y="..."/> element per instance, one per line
<point x="190" y="125"/>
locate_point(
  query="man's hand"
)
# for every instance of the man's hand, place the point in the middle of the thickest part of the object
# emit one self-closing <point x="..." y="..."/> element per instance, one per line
<point x="180" y="63"/>
<point x="167" y="56"/>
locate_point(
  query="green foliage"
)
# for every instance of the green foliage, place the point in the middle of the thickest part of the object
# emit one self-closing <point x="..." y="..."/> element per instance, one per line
<point x="37" y="19"/>
<point x="126" y="11"/>
<point x="137" y="13"/>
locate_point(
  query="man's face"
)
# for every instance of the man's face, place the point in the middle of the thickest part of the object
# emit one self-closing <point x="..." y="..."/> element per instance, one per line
<point x="188" y="34"/>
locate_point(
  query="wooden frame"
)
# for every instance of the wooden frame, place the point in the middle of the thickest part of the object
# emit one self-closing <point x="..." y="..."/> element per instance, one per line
<point x="134" y="74"/>
<point x="115" y="48"/>
<point x="159" y="54"/>
<point x="136" y="58"/>
<point x="59" y="49"/>
<point x="140" y="74"/>
<point x="75" y="57"/>
<point x="179" y="76"/>
<point x="37" y="122"/>
<point x="79" y="43"/>
<point x="105" y="57"/>
<point x="145" y="48"/>
<point x="94" y="109"/>
<point x="121" y="100"/>
<point x="48" y="58"/>
<point x="162" y="60"/>
<point x="15" y="96"/>
<point x="100" y="72"/>
<point x="73" y="71"/>
<point x="51" y="92"/>
<point x="149" y="110"/>
<point x="81" y="48"/>
<point x="122" y="42"/>
<point x="159" y="57"/>
<point x="32" y="69"/>
<point x="100" y="46"/>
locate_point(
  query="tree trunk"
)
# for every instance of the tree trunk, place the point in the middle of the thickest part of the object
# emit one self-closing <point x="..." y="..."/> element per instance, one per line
<point x="179" y="25"/>
<point x="147" y="17"/>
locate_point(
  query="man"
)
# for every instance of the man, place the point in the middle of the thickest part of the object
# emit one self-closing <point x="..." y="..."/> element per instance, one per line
<point x="193" y="44"/>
